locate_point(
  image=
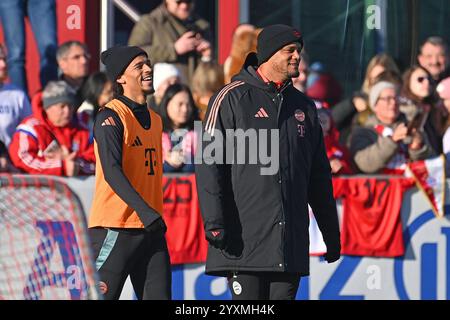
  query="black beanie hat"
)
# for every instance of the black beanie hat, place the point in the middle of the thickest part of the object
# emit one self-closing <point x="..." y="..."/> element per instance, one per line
<point x="117" y="59"/>
<point x="273" y="38"/>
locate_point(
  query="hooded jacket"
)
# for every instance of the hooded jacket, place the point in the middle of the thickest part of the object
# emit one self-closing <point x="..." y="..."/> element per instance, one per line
<point x="35" y="135"/>
<point x="263" y="205"/>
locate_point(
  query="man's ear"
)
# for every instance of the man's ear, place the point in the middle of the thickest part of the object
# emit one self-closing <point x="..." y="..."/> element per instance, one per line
<point x="62" y="65"/>
<point x="121" y="80"/>
<point x="421" y="59"/>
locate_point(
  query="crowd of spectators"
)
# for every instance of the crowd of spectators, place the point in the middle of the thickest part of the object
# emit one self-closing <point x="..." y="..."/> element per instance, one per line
<point x="395" y="117"/>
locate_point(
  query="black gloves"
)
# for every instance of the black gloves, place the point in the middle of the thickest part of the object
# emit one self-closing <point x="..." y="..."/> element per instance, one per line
<point x="156" y="226"/>
<point x="333" y="253"/>
<point x="216" y="238"/>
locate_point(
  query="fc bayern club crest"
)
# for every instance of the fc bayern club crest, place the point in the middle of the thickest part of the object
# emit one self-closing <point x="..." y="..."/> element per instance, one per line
<point x="299" y="115"/>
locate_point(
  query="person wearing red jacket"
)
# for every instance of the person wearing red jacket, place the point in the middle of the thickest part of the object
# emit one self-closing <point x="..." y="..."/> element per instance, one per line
<point x="49" y="142"/>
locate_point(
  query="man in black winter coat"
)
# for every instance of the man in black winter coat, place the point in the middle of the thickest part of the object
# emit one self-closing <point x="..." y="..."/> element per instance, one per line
<point x="261" y="160"/>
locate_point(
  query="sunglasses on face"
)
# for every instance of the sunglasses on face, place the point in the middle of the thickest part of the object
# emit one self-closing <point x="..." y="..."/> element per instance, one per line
<point x="183" y="1"/>
<point x="422" y="79"/>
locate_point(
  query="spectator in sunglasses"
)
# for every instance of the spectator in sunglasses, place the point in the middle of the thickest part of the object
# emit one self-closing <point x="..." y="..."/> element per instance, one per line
<point x="417" y="96"/>
<point x="174" y="34"/>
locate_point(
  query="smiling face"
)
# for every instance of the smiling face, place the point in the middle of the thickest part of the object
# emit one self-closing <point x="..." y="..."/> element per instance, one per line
<point x="137" y="79"/>
<point x="386" y="108"/>
<point x="433" y="58"/>
<point x="284" y="63"/>
<point x="179" y="109"/>
<point x="419" y="83"/>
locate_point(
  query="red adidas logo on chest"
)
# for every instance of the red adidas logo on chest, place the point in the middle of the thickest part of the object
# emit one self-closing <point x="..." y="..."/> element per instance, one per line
<point x="261" y="113"/>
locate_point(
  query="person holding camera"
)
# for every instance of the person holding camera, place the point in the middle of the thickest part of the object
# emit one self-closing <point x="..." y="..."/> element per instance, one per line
<point x="388" y="141"/>
<point x="173" y="33"/>
<point x="418" y="96"/>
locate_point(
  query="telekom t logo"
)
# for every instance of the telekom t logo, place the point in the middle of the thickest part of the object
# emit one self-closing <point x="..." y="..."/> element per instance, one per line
<point x="150" y="160"/>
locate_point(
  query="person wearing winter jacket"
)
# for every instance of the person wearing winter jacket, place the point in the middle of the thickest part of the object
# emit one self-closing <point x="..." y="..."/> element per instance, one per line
<point x="49" y="142"/>
<point x="173" y="33"/>
<point x="388" y="141"/>
<point x="254" y="202"/>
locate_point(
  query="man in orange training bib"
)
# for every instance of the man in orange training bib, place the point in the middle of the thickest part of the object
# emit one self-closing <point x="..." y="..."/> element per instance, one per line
<point x="125" y="223"/>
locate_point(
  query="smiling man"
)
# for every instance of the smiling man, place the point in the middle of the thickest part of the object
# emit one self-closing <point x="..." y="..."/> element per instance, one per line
<point x="125" y="223"/>
<point x="433" y="56"/>
<point x="257" y="221"/>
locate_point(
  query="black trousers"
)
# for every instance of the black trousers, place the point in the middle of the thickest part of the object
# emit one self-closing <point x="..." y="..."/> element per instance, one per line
<point x="263" y="285"/>
<point x="135" y="252"/>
